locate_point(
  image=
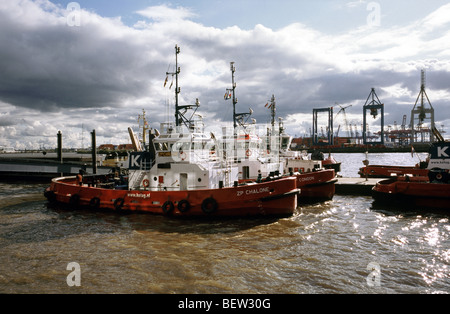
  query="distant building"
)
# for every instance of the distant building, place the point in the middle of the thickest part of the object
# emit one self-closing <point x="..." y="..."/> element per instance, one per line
<point x="125" y="147"/>
<point x="110" y="147"/>
<point x="300" y="143"/>
<point x="6" y="149"/>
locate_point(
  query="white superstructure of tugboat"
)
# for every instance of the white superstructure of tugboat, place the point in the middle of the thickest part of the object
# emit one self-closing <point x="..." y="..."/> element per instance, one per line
<point x="269" y="156"/>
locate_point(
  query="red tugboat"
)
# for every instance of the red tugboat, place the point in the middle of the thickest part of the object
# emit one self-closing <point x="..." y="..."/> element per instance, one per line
<point x="382" y="171"/>
<point x="379" y="171"/>
<point x="316" y="181"/>
<point x="269" y="198"/>
<point x="180" y="178"/>
<point x="182" y="172"/>
<point x="429" y="191"/>
<point x="269" y="156"/>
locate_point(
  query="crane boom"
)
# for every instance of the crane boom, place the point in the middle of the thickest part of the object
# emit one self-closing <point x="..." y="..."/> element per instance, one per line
<point x="345" y="118"/>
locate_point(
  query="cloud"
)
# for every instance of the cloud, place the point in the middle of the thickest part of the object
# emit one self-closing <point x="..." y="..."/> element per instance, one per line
<point x="164" y="13"/>
<point x="48" y="65"/>
<point x="102" y="73"/>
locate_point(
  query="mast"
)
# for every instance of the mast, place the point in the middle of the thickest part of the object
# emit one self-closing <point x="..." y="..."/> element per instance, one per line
<point x="180" y="110"/>
<point x="145" y="127"/>
<point x="231" y="93"/>
<point x="177" y="89"/>
<point x="272" y="111"/>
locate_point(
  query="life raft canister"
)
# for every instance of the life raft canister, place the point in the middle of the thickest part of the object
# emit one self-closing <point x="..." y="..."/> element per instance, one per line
<point x="209" y="205"/>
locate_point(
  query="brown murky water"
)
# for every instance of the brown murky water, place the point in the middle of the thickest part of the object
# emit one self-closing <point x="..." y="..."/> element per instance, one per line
<point x="341" y="246"/>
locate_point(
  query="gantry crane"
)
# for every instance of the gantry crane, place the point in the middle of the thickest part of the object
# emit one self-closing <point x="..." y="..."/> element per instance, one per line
<point x="345" y="118"/>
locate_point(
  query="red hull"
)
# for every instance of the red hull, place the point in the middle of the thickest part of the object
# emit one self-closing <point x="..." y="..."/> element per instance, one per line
<point x="413" y="191"/>
<point x="268" y="198"/>
<point x="375" y="171"/>
<point x="331" y="163"/>
<point x="316" y="185"/>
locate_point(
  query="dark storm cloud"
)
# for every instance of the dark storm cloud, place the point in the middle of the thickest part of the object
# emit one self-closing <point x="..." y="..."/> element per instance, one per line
<point x="52" y="66"/>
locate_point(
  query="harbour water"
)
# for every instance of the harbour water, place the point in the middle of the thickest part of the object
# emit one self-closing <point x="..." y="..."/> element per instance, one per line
<point x="340" y="246"/>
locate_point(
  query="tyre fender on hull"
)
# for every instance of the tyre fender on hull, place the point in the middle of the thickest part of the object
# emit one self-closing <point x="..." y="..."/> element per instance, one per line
<point x="184" y="206"/>
<point x="50" y="195"/>
<point x="74" y="200"/>
<point x="167" y="207"/>
<point x="118" y="203"/>
<point x="94" y="203"/>
<point x="209" y="205"/>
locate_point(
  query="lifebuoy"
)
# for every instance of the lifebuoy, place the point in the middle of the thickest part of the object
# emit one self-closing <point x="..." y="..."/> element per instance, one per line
<point x="168" y="207"/>
<point x="209" y="205"/>
<point x="94" y="203"/>
<point x="248" y="153"/>
<point x="183" y="206"/>
<point x="439" y="176"/>
<point x="183" y="155"/>
<point x="118" y="203"/>
<point x="146" y="183"/>
<point x="74" y="200"/>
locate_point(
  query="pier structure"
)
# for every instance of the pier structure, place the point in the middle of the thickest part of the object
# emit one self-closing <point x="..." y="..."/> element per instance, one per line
<point x="44" y="166"/>
<point x="356" y="186"/>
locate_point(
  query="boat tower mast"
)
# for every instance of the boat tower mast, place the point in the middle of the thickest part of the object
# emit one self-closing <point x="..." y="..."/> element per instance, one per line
<point x="180" y="111"/>
<point x="238" y="118"/>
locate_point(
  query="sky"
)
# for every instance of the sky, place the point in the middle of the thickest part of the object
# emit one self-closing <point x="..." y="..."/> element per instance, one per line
<point x="96" y="64"/>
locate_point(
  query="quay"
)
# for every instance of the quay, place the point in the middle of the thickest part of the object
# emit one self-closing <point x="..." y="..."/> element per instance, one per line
<point x="42" y="170"/>
<point x="43" y="166"/>
<point x="356" y="186"/>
